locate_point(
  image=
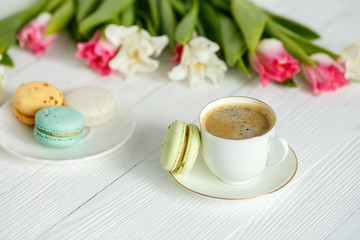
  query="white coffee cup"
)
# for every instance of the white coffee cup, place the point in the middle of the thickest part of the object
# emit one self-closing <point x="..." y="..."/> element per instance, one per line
<point x="242" y="160"/>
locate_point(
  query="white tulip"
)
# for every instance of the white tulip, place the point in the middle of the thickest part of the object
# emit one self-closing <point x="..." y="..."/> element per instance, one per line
<point x="351" y="56"/>
<point x="136" y="46"/>
<point x="2" y="75"/>
<point x="199" y="62"/>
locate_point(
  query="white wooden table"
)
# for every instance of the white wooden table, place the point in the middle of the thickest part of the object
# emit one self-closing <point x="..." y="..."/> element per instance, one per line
<point x="127" y="195"/>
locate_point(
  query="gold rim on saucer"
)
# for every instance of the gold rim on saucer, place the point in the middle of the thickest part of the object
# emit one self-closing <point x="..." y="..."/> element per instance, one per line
<point x="224" y="198"/>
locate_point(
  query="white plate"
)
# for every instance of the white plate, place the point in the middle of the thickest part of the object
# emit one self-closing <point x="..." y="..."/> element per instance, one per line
<point x="202" y="181"/>
<point x="18" y="139"/>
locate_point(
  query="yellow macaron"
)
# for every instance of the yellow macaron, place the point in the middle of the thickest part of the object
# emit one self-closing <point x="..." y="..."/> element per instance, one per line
<point x="31" y="97"/>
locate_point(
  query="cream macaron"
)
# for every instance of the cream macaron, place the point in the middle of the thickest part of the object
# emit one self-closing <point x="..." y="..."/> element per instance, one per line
<point x="97" y="105"/>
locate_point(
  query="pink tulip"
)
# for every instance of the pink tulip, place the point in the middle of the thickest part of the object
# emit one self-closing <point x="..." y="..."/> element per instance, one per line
<point x="177" y="53"/>
<point x="327" y="75"/>
<point x="33" y="36"/>
<point x="98" y="53"/>
<point x="272" y="62"/>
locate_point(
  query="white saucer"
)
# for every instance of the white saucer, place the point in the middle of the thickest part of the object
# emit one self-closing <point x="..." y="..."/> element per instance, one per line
<point x="18" y="139"/>
<point x="202" y="181"/>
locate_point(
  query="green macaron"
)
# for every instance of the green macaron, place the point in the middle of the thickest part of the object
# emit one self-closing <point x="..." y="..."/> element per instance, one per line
<point x="180" y="147"/>
<point x="58" y="126"/>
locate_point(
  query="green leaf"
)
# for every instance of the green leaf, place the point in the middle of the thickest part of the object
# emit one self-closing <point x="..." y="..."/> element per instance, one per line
<point x="74" y="32"/>
<point x="232" y="41"/>
<point x="168" y="20"/>
<point x="6" y="60"/>
<point x="108" y="9"/>
<point x="51" y="5"/>
<point x="139" y="23"/>
<point x="295" y="27"/>
<point x="61" y="17"/>
<point x="148" y="24"/>
<point x="251" y="20"/>
<point x="154" y="13"/>
<point x="289" y="83"/>
<point x="311" y="48"/>
<point x="200" y="28"/>
<point x="128" y="17"/>
<point x="210" y="21"/>
<point x="116" y="21"/>
<point x="304" y="43"/>
<point x="241" y="65"/>
<point x="185" y="29"/>
<point x="223" y="5"/>
<point x="294" y="49"/>
<point x="84" y="8"/>
<point x="10" y="25"/>
<point x="179" y="6"/>
<point x="233" y="44"/>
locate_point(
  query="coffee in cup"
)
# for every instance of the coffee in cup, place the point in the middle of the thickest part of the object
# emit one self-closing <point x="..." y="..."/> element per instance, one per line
<point x="238" y="120"/>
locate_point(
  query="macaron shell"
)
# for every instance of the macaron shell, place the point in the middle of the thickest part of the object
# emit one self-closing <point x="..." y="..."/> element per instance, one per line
<point x="192" y="149"/>
<point x="32" y="96"/>
<point x="59" y="119"/>
<point x="172" y="145"/>
<point x="97" y="105"/>
<point x="29" y="120"/>
<point x="58" y="126"/>
<point x="94" y="122"/>
<point x="53" y="141"/>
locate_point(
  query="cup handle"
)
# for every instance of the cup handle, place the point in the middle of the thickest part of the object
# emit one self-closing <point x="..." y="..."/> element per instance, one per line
<point x="275" y="158"/>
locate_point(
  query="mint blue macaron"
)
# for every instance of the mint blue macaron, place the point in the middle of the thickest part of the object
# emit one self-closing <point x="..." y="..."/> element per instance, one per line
<point x="58" y="126"/>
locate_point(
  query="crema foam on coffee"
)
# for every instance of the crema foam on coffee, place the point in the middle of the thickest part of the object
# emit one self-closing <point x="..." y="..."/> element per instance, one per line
<point x="238" y="120"/>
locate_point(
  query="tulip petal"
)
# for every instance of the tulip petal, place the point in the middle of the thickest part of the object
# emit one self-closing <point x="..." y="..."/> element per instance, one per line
<point x="198" y="63"/>
<point x="351" y="56"/>
<point x="117" y="34"/>
<point x="327" y="75"/>
<point x="159" y="43"/>
<point x="196" y="75"/>
<point x="178" y="73"/>
<point x="272" y="62"/>
<point x="32" y="36"/>
<point x="351" y="52"/>
<point x="98" y="53"/>
<point x="136" y="48"/>
<point x="2" y="74"/>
